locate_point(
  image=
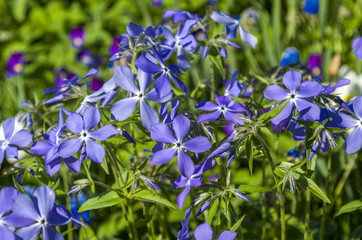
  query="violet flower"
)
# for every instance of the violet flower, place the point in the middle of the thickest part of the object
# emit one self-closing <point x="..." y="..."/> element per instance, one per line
<point x="81" y="125"/>
<point x="77" y="37"/>
<point x="162" y="83"/>
<point x="85" y="57"/>
<point x="137" y="31"/>
<point x="160" y="132"/>
<point x="226" y="106"/>
<point x="357" y="47"/>
<point x="314" y="64"/>
<point x="43" y="212"/>
<point x="292" y="80"/>
<point x="15" y="65"/>
<point x="122" y="109"/>
<point x="290" y="56"/>
<point x="231" y="26"/>
<point x="183" y="234"/>
<point x="204" y="232"/>
<point x="115" y="51"/>
<point x="179" y="16"/>
<point x="192" y="181"/>
<point x="157" y="3"/>
<point x="9" y="146"/>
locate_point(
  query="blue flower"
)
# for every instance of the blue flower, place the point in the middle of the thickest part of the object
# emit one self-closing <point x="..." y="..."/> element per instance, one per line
<point x="290" y="56"/>
<point x="204" y="232"/>
<point x="311" y="6"/>
<point x="357" y="47"/>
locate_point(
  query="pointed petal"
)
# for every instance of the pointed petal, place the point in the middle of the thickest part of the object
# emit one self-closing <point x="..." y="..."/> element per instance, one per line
<point x="275" y="92"/>
<point x="50" y="233"/>
<point x="179" y="83"/>
<point x="231" y="30"/>
<point x="16" y="220"/>
<point x="284" y="114"/>
<point x="292" y="79"/>
<point x="147" y="66"/>
<point x="40" y="148"/>
<point x="185" y="164"/>
<point x="222" y="17"/>
<point x="227" y="235"/>
<point x="75" y="123"/>
<point x="206" y="106"/>
<point x="103" y="133"/>
<point x="198" y="144"/>
<point x="22" y="138"/>
<point x="7" y="196"/>
<point x="123" y="77"/>
<point x="23" y="206"/>
<point x="310" y="90"/>
<point x="208" y="117"/>
<point x="44" y="199"/>
<point x="149" y="116"/>
<point x="163" y="156"/>
<point x="28" y="233"/>
<point x="160" y="132"/>
<point x="354" y="141"/>
<point x="153" y="96"/>
<point x="182" y="196"/>
<point x="309" y="111"/>
<point x="163" y="85"/>
<point x="181" y="126"/>
<point x="203" y="232"/>
<point x="95" y="151"/>
<point x="11" y="152"/>
<point x="91" y="117"/>
<point x="73" y="164"/>
<point x="247" y="37"/>
<point x="357" y="107"/>
<point x="122" y="109"/>
<point x="70" y="147"/>
<point x="8" y="127"/>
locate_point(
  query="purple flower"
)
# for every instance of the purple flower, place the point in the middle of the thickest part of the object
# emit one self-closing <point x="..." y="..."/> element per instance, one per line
<point x="181" y="42"/>
<point x="204" y="232"/>
<point x="162" y="133"/>
<point x="314" y="64"/>
<point x="183" y="234"/>
<point x="137" y="31"/>
<point x="42" y="211"/>
<point x="85" y="57"/>
<point x="290" y="56"/>
<point x="96" y="84"/>
<point x="157" y="3"/>
<point x="292" y="79"/>
<point x="232" y="26"/>
<point x="354" y="140"/>
<point x="50" y="149"/>
<point x="122" y="109"/>
<point x="81" y="125"/>
<point x="82" y="198"/>
<point x="15" y="65"/>
<point x="234" y="88"/>
<point x="9" y="146"/>
<point x="115" y="50"/>
<point x="77" y="37"/>
<point x="192" y="181"/>
<point x="311" y="6"/>
<point x="226" y="106"/>
<point x="179" y="16"/>
<point x="162" y="83"/>
<point x="357" y="47"/>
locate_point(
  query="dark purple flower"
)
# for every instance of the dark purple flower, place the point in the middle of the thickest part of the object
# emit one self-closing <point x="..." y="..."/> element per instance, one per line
<point x="15" y="65"/>
<point x="290" y="56"/>
<point x="162" y="83"/>
<point x="42" y="211"/>
<point x="162" y="133"/>
<point x="226" y="106"/>
<point x="137" y="31"/>
<point x="122" y="109"/>
<point x="232" y="26"/>
<point x="85" y="57"/>
<point x="357" y="47"/>
<point x="81" y="125"/>
<point x="314" y="64"/>
<point x="115" y="50"/>
<point x="77" y="36"/>
<point x="354" y="140"/>
<point x="292" y="80"/>
<point x="204" y="232"/>
<point x="96" y="84"/>
<point x="50" y="149"/>
<point x="9" y="146"/>
<point x="311" y="6"/>
<point x="192" y="181"/>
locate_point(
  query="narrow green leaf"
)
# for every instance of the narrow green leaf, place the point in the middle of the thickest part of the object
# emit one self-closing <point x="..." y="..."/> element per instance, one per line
<point x="218" y="63"/>
<point x="253" y="188"/>
<point x="313" y="187"/>
<point x="144" y="195"/>
<point x="104" y="165"/>
<point x="350" y="207"/>
<point x="266" y="117"/>
<point x="266" y="132"/>
<point x="237" y="224"/>
<point x="103" y="200"/>
<point x="213" y="210"/>
<point x="249" y="152"/>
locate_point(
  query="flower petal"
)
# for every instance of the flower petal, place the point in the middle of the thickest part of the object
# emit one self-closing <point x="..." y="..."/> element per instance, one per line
<point x="206" y="106"/>
<point x="310" y="90"/>
<point x="309" y="111"/>
<point x="179" y="83"/>
<point x="357" y="107"/>
<point x="223" y="100"/>
<point x="149" y="116"/>
<point x="91" y="117"/>
<point x="163" y="85"/>
<point x="147" y="66"/>
<point x="8" y="127"/>
<point x="144" y="80"/>
<point x="28" y="233"/>
<point x="16" y="220"/>
<point x="44" y="199"/>
<point x="222" y="17"/>
<point x="70" y="147"/>
<point x="95" y="151"/>
<point x="292" y="79"/>
<point x="203" y="232"/>
<point x="275" y="92"/>
<point x="227" y="235"/>
<point x="208" y="117"/>
<point x="23" y="206"/>
<point x="73" y="164"/>
<point x="103" y="133"/>
<point x="153" y="96"/>
<point x="234" y="117"/>
<point x="181" y="126"/>
<point x="22" y="138"/>
<point x="231" y="30"/>
<point x="53" y="166"/>
<point x="182" y="196"/>
<point x="198" y="144"/>
<point x="50" y="233"/>
<point x="7" y="196"/>
<point x="122" y="109"/>
<point x="247" y="37"/>
<point x="6" y="233"/>
<point x="185" y="164"/>
<point x="163" y="156"/>
<point x="11" y="152"/>
<point x="284" y="114"/>
<point x="75" y="123"/>
<point x="354" y="141"/>
<point x="160" y="132"/>
<point x="123" y="77"/>
<point x="40" y="148"/>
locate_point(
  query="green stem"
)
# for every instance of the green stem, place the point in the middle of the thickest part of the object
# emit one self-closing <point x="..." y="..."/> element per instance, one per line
<point x="135" y="152"/>
<point x="307" y="216"/>
<point x="263" y="206"/>
<point x="321" y="235"/>
<point x="64" y="174"/>
<point x="212" y="77"/>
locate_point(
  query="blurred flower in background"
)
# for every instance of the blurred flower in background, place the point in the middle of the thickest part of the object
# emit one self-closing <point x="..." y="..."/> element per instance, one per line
<point x="354" y="88"/>
<point x="314" y="64"/>
<point x="85" y="57"/>
<point x="250" y="17"/>
<point x="311" y="7"/>
<point x="157" y="3"/>
<point x="82" y="198"/>
<point x="290" y="56"/>
<point x="77" y="37"/>
<point x="15" y="65"/>
<point x="97" y="83"/>
<point x="357" y="47"/>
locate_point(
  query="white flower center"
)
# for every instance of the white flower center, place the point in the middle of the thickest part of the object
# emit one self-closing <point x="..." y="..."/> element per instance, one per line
<point x="84" y="135"/>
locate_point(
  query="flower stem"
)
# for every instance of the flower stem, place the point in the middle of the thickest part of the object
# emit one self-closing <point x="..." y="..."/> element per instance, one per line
<point x="212" y="77"/>
<point x="64" y="174"/>
<point x="307" y="216"/>
<point x="135" y="152"/>
<point x="321" y="234"/>
<point x="263" y="206"/>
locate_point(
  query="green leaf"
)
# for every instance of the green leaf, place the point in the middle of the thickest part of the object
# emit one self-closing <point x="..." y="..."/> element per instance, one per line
<point x="218" y="63"/>
<point x="266" y="117"/>
<point x="266" y="132"/>
<point x="313" y="187"/>
<point x="249" y="152"/>
<point x="212" y="211"/>
<point x="103" y="200"/>
<point x="237" y="224"/>
<point x="350" y="207"/>
<point x="144" y="195"/>
<point x="253" y="188"/>
<point x="104" y="165"/>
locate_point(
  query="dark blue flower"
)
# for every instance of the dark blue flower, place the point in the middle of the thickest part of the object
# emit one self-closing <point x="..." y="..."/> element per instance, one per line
<point x="311" y="6"/>
<point x="15" y="65"/>
<point x="290" y="56"/>
<point x="82" y="198"/>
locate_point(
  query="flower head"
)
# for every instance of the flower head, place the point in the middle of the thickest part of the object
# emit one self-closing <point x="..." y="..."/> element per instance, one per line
<point x="15" y="65"/>
<point x="77" y="37"/>
<point x="311" y="6"/>
<point x="290" y="56"/>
